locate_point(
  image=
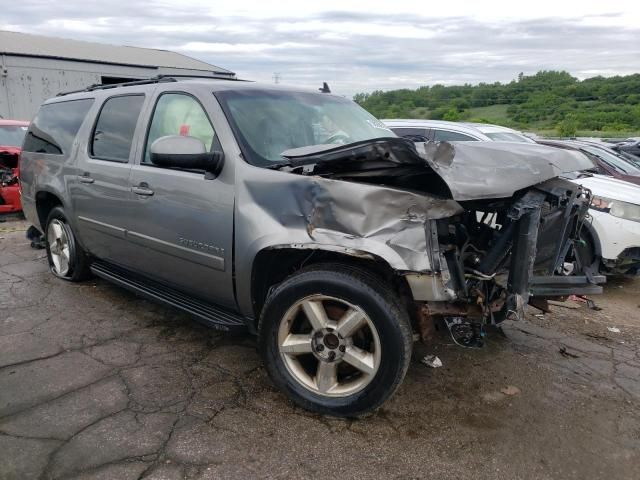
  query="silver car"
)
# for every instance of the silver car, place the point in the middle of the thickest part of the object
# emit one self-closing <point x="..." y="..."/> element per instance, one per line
<point x="299" y="217"/>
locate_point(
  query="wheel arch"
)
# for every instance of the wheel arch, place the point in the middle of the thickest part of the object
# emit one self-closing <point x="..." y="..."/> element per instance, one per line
<point x="45" y="202"/>
<point x="274" y="264"/>
<point x="597" y="246"/>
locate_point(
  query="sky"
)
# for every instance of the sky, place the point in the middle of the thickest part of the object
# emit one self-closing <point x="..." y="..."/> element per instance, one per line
<point x="358" y="46"/>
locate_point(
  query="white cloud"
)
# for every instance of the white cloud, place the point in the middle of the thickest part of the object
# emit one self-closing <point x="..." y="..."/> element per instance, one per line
<point x="343" y="30"/>
<point x="480" y="10"/>
<point x="360" y="45"/>
<point x="213" y="47"/>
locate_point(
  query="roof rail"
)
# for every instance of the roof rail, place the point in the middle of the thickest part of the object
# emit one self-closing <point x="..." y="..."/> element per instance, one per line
<point x="215" y="76"/>
<point x="100" y="86"/>
<point x="157" y="79"/>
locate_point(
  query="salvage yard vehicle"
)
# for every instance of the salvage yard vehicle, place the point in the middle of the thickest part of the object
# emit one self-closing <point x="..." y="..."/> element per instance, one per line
<point x="298" y="216"/>
<point x="628" y="149"/>
<point x="610" y="236"/>
<point x="612" y="148"/>
<point x="12" y="133"/>
<point x="608" y="162"/>
<point x="630" y="146"/>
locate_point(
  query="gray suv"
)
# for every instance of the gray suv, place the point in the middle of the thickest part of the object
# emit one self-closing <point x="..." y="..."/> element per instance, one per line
<point x="299" y="217"/>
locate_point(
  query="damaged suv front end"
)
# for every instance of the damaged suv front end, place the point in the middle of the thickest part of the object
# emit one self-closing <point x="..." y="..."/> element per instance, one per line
<point x="478" y="231"/>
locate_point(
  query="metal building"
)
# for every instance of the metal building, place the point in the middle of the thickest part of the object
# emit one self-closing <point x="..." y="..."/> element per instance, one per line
<point x="34" y="68"/>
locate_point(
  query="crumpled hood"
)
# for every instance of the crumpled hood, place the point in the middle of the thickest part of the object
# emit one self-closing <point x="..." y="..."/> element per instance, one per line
<point x="483" y="170"/>
<point x="469" y="170"/>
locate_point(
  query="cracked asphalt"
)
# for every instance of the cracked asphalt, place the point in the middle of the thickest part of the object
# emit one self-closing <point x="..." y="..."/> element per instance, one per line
<point x="96" y="383"/>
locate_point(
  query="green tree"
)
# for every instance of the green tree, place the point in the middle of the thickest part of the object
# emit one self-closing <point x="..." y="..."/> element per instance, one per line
<point x="545" y="101"/>
<point x="452" y="115"/>
<point x="567" y="127"/>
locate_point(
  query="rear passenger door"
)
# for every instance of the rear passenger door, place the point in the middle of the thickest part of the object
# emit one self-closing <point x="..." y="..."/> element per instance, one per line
<point x="101" y="191"/>
<point x="181" y="229"/>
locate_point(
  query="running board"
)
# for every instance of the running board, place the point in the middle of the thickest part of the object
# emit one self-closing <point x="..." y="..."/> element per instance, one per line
<point x="207" y="313"/>
<point x="559" y="286"/>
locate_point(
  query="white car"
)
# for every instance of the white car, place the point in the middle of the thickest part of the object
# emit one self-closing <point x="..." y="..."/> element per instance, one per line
<point x="443" y="131"/>
<point x="613" y="225"/>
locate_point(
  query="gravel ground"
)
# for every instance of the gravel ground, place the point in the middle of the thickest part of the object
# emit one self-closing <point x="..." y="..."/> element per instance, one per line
<point x="97" y="383"/>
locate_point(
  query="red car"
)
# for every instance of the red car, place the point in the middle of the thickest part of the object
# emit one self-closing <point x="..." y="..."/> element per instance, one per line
<point x="12" y="133"/>
<point x="607" y="162"/>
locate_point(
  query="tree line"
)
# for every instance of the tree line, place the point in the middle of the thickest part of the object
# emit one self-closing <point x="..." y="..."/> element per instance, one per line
<point x="548" y="100"/>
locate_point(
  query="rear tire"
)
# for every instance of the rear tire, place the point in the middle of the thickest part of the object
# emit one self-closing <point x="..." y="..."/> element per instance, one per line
<point x="67" y="259"/>
<point x="335" y="339"/>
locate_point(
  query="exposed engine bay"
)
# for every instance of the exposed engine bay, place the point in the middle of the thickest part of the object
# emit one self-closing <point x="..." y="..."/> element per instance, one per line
<point x="507" y="246"/>
<point x="503" y="255"/>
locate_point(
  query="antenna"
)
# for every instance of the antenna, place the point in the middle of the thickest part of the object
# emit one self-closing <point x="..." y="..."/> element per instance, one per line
<point x="325" y="88"/>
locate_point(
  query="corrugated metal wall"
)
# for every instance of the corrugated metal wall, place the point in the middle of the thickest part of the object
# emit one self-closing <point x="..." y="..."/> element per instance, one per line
<point x="25" y="82"/>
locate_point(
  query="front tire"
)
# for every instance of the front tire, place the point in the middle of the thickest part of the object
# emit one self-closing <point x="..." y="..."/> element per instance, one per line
<point x="67" y="259"/>
<point x="336" y="340"/>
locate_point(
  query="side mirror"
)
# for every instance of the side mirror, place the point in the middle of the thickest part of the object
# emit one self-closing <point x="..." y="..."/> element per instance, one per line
<point x="178" y="151"/>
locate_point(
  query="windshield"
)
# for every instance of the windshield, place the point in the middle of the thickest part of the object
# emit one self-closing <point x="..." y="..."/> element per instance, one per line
<point x="12" y="135"/>
<point x="631" y="158"/>
<point x="618" y="163"/>
<point x="508" y="137"/>
<point x="269" y="122"/>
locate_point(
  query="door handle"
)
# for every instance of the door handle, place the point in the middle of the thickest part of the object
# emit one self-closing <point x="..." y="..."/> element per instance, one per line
<point x="85" y="178"/>
<point x="142" y="189"/>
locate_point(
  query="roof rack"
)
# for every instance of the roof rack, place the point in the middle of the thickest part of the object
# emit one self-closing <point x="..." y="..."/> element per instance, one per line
<point x="157" y="79"/>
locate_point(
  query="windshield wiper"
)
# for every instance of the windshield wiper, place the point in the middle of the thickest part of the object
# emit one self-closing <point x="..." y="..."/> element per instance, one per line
<point x="278" y="165"/>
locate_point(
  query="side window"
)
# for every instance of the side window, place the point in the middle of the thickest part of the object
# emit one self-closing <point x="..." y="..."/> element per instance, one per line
<point x="114" y="129"/>
<point x="56" y="126"/>
<point x="449" y="136"/>
<point x="179" y="114"/>
<point x="419" y="134"/>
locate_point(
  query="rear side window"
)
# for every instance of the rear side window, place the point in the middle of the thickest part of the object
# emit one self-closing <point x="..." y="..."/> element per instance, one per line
<point x="115" y="127"/>
<point x="449" y="136"/>
<point x="416" y="134"/>
<point x="56" y="126"/>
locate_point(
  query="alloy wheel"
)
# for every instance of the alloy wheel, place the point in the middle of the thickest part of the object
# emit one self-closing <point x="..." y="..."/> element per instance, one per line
<point x="329" y="345"/>
<point x="59" y="247"/>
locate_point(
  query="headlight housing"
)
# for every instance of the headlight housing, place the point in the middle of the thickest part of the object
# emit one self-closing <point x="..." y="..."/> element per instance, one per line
<point x="617" y="208"/>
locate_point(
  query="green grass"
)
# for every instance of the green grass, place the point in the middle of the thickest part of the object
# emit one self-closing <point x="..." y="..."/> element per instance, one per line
<point x="498" y="114"/>
<point x="493" y="114"/>
<point x="589" y="133"/>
